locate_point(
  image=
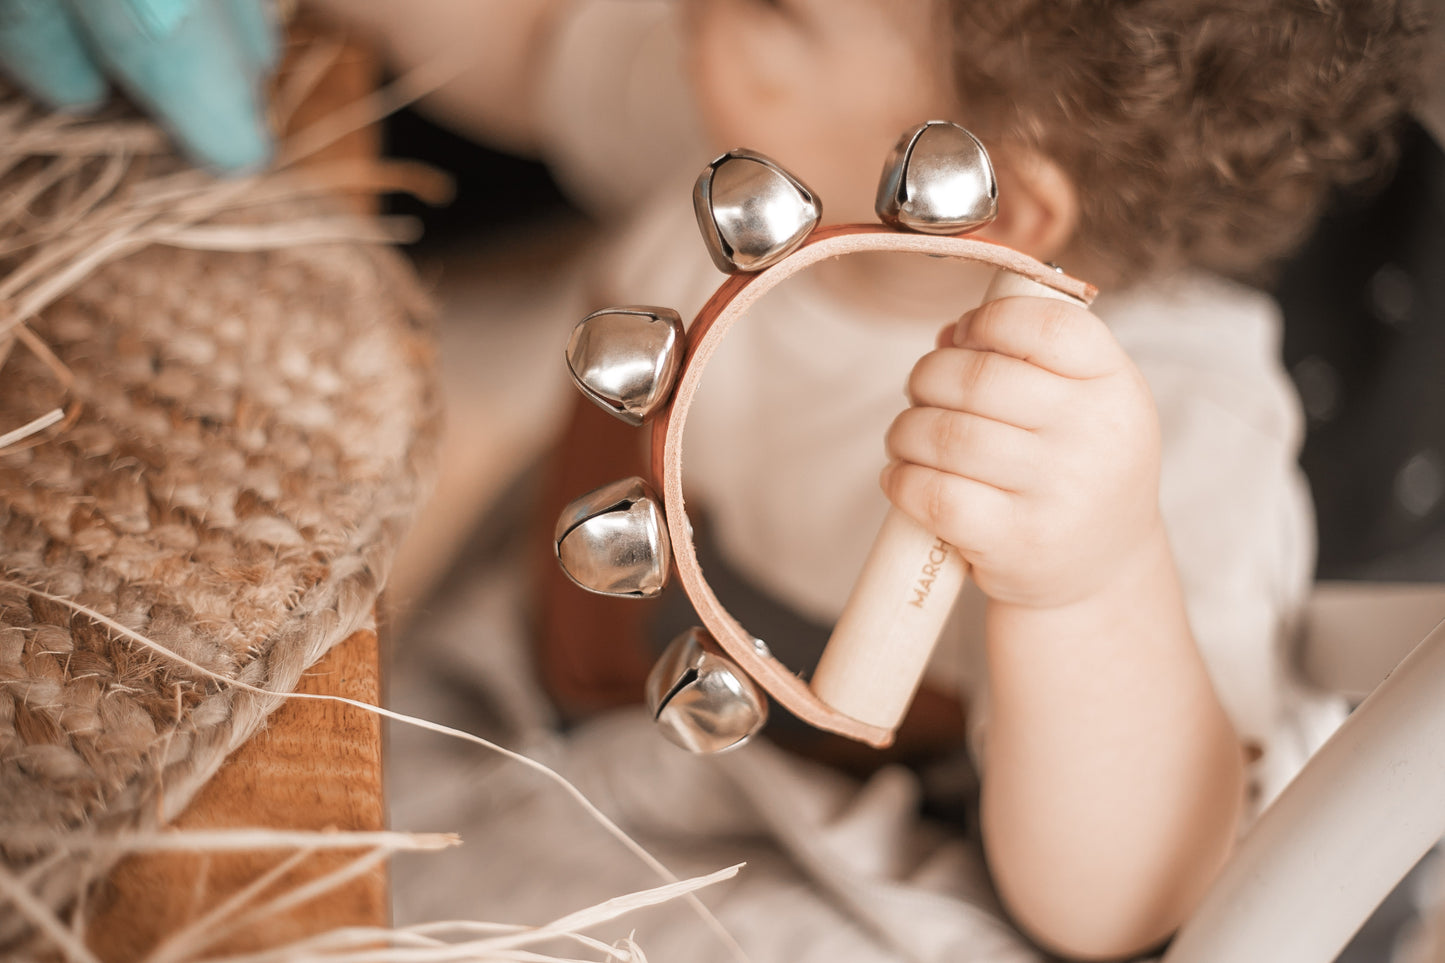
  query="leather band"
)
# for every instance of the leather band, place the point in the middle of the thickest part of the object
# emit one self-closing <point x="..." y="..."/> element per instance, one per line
<point x="729" y="303"/>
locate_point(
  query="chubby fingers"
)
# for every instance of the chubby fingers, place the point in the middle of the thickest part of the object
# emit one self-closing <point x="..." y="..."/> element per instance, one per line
<point x="964" y="512"/>
<point x="1057" y="336"/>
<point x="986" y="383"/>
<point x="965" y="444"/>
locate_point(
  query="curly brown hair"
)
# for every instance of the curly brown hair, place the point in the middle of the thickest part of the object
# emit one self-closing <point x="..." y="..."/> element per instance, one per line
<point x="1204" y="132"/>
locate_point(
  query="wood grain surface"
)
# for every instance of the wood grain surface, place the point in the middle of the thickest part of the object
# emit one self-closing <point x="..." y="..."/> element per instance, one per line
<point x="316" y="766"/>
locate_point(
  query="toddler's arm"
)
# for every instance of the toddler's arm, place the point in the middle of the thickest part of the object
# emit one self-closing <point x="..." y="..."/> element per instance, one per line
<point x="495" y="45"/>
<point x="1113" y="779"/>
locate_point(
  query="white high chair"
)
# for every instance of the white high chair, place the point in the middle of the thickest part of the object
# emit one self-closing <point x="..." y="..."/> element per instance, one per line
<point x="1365" y="808"/>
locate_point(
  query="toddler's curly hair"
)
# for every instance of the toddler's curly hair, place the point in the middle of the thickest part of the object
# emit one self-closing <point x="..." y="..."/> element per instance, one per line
<point x="1205" y="132"/>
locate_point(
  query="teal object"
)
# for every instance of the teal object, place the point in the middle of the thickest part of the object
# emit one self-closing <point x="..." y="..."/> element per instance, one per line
<point x="257" y="33"/>
<point x="198" y="66"/>
<point x="41" y="50"/>
<point x="159" y="18"/>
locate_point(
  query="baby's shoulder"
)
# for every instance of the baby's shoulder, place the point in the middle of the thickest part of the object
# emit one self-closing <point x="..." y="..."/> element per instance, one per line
<point x="616" y="106"/>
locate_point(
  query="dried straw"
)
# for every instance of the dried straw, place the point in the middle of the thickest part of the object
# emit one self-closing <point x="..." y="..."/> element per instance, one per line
<point x="81" y="193"/>
<point x="421" y="943"/>
<point x="588" y="806"/>
<point x="217" y="414"/>
<point x="207" y="455"/>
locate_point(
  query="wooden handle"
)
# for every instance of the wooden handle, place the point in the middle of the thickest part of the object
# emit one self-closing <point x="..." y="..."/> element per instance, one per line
<point x="880" y="647"/>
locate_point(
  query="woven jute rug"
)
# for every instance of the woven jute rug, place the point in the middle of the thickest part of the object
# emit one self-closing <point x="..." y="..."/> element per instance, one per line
<point x="242" y="422"/>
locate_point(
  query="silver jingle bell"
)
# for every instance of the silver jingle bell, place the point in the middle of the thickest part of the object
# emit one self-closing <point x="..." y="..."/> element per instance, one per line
<point x="937" y="180"/>
<point x="613" y="540"/>
<point x="751" y="211"/>
<point x="626" y="359"/>
<point x="701" y="700"/>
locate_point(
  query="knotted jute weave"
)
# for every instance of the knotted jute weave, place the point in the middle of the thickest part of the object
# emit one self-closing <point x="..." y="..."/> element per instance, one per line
<point x="250" y="420"/>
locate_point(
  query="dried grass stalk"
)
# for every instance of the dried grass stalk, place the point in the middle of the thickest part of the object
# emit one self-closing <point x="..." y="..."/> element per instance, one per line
<point x="158" y="462"/>
<point x="602" y="819"/>
<point x="53" y="235"/>
<point x="78" y="196"/>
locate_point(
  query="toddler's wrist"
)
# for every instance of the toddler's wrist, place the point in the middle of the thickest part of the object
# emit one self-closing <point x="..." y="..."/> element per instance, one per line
<point x="1136" y="568"/>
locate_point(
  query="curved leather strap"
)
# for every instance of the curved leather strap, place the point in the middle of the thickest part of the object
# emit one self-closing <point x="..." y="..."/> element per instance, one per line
<point x="729" y="303"/>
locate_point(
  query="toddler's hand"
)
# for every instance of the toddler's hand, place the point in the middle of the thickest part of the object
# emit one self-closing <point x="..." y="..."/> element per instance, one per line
<point x="1032" y="446"/>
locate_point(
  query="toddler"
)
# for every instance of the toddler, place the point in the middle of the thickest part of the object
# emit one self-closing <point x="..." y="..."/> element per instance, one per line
<point x="1122" y="481"/>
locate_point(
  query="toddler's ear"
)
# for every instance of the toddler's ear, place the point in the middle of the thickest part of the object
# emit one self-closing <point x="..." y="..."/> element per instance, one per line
<point x="1038" y="208"/>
